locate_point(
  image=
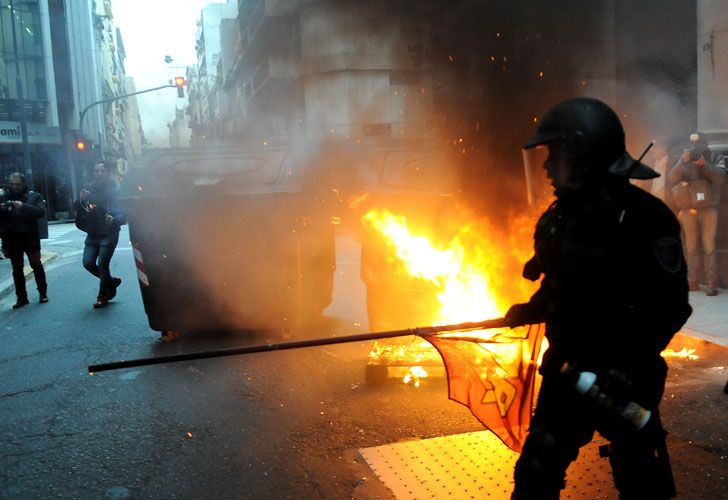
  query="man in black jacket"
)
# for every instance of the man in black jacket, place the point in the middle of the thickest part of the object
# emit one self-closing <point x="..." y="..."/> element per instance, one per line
<point x="613" y="293"/>
<point x="99" y="214"/>
<point x="19" y="216"/>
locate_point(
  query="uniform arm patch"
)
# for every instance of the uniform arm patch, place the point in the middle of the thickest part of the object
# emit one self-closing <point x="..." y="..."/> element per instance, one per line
<point x="669" y="254"/>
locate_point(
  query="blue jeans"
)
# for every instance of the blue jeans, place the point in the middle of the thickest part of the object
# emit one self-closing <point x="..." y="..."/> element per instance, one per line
<point x="96" y="259"/>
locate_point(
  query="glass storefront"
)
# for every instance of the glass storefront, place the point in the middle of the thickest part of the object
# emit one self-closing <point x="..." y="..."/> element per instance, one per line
<point x="22" y="62"/>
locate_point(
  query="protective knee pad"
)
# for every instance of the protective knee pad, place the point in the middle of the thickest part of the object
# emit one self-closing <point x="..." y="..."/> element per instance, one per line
<point x="541" y="468"/>
<point x="641" y="466"/>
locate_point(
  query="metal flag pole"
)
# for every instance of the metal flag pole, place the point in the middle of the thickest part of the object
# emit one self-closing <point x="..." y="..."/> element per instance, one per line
<point x="421" y="331"/>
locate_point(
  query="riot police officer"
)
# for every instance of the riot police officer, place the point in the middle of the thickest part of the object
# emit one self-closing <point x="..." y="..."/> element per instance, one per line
<point x="613" y="293"/>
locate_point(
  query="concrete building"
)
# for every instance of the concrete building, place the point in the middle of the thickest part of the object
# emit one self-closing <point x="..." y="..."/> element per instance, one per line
<point x="203" y="98"/>
<point x="132" y="122"/>
<point x="26" y="63"/>
<point x="475" y="76"/>
<point x="179" y="129"/>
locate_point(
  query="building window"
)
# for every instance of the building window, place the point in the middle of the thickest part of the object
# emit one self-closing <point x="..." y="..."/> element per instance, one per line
<point x="23" y="53"/>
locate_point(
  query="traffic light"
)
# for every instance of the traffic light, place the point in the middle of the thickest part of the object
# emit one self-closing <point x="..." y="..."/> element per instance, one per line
<point x="179" y="82"/>
<point x="81" y="145"/>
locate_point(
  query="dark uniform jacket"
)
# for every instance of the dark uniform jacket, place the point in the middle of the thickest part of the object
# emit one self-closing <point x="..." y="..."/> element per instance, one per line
<point x="614" y="288"/>
<point x="91" y="214"/>
<point x="22" y="223"/>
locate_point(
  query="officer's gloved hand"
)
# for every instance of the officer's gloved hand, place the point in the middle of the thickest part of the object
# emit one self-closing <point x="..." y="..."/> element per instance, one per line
<point x="520" y="314"/>
<point x="616" y="383"/>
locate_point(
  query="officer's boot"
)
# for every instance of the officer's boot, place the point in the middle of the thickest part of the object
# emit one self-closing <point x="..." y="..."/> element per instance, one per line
<point x="692" y="261"/>
<point x="711" y="274"/>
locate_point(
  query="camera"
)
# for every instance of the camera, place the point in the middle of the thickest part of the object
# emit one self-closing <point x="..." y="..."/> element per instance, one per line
<point x="695" y="154"/>
<point x="7" y="206"/>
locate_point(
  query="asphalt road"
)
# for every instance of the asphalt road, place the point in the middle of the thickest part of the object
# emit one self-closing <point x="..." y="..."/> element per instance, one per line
<point x="273" y="425"/>
<point x="270" y="425"/>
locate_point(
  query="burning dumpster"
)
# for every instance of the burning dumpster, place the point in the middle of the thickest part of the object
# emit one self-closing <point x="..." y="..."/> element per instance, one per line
<point x="229" y="239"/>
<point x="427" y="258"/>
<point x="420" y="185"/>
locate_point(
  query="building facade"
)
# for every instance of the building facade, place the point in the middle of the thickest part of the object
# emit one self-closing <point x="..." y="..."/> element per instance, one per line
<point x="66" y="55"/>
<point x="204" y="100"/>
<point x="27" y="71"/>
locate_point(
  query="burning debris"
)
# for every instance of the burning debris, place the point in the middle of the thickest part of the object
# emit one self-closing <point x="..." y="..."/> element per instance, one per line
<point x="683" y="353"/>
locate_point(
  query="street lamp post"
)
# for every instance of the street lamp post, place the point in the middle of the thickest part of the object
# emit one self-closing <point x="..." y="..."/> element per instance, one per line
<point x="116" y="98"/>
<point x="27" y="167"/>
<point x="178" y="83"/>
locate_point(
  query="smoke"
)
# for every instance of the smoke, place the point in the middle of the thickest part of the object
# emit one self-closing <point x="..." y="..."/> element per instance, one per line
<point x="657" y="74"/>
<point x="412" y="106"/>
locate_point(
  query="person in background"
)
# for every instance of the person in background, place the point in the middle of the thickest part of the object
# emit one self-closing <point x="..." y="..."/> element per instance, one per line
<point x="99" y="214"/>
<point x="19" y="214"/>
<point x="697" y="195"/>
<point x="613" y="292"/>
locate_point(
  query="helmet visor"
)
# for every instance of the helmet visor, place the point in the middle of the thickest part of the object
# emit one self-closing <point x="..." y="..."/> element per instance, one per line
<point x="538" y="185"/>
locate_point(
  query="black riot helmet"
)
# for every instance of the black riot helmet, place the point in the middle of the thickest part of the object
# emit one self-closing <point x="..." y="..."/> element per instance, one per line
<point x="592" y="132"/>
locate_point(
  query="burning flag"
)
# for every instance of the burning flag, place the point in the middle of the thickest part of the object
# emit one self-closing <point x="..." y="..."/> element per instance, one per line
<point x="495" y="377"/>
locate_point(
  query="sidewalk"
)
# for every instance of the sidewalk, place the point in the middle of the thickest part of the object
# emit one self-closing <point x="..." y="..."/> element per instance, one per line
<point x="709" y="320"/>
<point x="46" y="256"/>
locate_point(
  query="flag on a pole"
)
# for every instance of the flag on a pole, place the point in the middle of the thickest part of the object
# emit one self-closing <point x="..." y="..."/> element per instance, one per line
<point x="495" y="377"/>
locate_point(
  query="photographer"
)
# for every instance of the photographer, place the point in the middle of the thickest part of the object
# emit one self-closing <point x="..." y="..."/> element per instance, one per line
<point x="19" y="214"/>
<point x="98" y="214"/>
<point x="697" y="195"/>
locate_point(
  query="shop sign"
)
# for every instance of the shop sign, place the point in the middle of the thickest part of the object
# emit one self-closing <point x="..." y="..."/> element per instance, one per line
<point x="38" y="133"/>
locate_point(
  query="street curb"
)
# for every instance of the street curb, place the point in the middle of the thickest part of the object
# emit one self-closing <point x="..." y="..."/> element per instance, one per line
<point x="7" y="286"/>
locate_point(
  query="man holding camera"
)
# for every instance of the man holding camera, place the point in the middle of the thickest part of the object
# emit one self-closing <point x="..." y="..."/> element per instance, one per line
<point x="19" y="214"/>
<point x="697" y="195"/>
<point x="99" y="214"/>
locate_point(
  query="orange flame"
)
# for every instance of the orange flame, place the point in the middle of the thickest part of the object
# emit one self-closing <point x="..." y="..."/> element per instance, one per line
<point x="684" y="353"/>
<point x="471" y="274"/>
<point x="466" y="270"/>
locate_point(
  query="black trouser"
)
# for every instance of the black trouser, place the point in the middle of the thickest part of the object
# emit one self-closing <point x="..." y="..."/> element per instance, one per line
<point x="14" y="247"/>
<point x="96" y="259"/>
<point x="565" y="421"/>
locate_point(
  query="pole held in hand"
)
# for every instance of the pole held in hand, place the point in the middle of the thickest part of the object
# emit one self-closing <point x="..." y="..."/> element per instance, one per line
<point x="421" y="331"/>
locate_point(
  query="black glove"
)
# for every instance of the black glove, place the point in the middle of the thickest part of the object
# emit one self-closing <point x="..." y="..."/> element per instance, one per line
<point x="616" y="383"/>
<point x="521" y="314"/>
<point x="532" y="269"/>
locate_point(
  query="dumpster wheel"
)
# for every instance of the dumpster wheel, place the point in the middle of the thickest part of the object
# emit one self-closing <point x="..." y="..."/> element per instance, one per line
<point x="169" y="335"/>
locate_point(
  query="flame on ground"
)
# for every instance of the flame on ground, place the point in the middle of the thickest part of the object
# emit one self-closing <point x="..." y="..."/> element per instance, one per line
<point x="683" y="353"/>
<point x="414" y="375"/>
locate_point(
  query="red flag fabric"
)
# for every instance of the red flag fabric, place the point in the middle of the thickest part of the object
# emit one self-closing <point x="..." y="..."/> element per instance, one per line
<point x="495" y="377"/>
